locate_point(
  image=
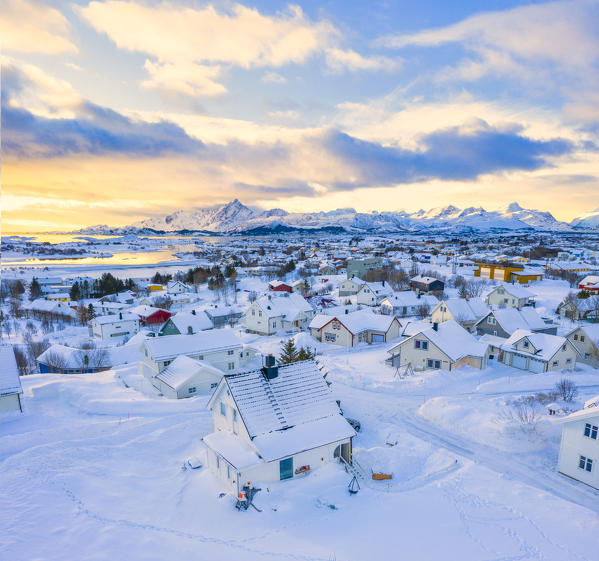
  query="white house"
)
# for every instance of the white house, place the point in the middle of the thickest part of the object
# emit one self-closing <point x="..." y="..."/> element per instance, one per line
<point x="176" y="287"/>
<point x="219" y="347"/>
<point x="445" y="346"/>
<point x="119" y="326"/>
<point x="586" y="341"/>
<point x="511" y="296"/>
<point x="349" y="287"/>
<point x="579" y="448"/>
<point x="373" y="293"/>
<point x="464" y="311"/>
<point x="538" y="352"/>
<point x="351" y="328"/>
<point x="10" y="384"/>
<point x="272" y="313"/>
<point x="274" y="424"/>
<point x="408" y="303"/>
<point x="187" y="377"/>
<point x="41" y="307"/>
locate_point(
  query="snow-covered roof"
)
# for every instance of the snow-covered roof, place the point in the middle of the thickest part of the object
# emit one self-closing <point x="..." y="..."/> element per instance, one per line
<point x="114" y="318"/>
<point x="221" y="311"/>
<point x="515" y="290"/>
<point x="174" y="283"/>
<point x="298" y="395"/>
<point x="544" y="345"/>
<point x="408" y="298"/>
<point x="356" y="322"/>
<point x="466" y="310"/>
<point x="171" y="346"/>
<point x="379" y="288"/>
<point x="287" y="306"/>
<point x="511" y="319"/>
<point x="50" y="306"/>
<point x="10" y="382"/>
<point x="198" y="322"/>
<point x="424" y="280"/>
<point x="492" y="340"/>
<point x="178" y="372"/>
<point x="452" y="339"/>
<point x="144" y="311"/>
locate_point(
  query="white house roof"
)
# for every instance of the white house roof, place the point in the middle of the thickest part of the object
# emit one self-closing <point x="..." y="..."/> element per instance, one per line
<point x="287" y="306"/>
<point x="237" y="451"/>
<point x="425" y="280"/>
<point x="161" y="348"/>
<point x="356" y="322"/>
<point x="50" y="306"/>
<point x="10" y="382"/>
<point x="544" y="344"/>
<point x="221" y="311"/>
<point x="198" y="321"/>
<point x="183" y="368"/>
<point x="408" y="299"/>
<point x="175" y="283"/>
<point x="466" y="310"/>
<point x="144" y="311"/>
<point x="298" y="395"/>
<point x="378" y="288"/>
<point x="114" y="318"/>
<point x="515" y="290"/>
<point x="72" y="358"/>
<point x="452" y="339"/>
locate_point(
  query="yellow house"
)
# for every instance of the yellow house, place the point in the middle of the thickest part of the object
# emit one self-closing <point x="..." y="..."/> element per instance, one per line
<point x="506" y="273"/>
<point x="520" y="259"/>
<point x="155" y="287"/>
<point x="58" y="297"/>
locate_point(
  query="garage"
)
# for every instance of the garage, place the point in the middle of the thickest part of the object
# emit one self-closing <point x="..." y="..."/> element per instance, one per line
<point x="519" y="361"/>
<point x="536" y="365"/>
<point x="377" y="338"/>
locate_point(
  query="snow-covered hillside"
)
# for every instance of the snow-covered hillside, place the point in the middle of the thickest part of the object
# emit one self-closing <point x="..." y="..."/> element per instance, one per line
<point x="587" y="220"/>
<point x="236" y="217"/>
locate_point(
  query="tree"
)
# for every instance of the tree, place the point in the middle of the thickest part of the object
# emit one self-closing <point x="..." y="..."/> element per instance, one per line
<point x="305" y="354"/>
<point x="463" y="292"/>
<point x="230" y="271"/>
<point x="75" y="292"/>
<point x="15" y="308"/>
<point x="16" y="288"/>
<point x="566" y="389"/>
<point x="83" y="314"/>
<point x="289" y="352"/>
<point x="35" y="290"/>
<point x="91" y="313"/>
<point x="22" y="361"/>
<point x="34" y="347"/>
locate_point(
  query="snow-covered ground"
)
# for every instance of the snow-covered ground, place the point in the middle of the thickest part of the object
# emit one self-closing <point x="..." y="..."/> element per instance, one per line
<point x="93" y="470"/>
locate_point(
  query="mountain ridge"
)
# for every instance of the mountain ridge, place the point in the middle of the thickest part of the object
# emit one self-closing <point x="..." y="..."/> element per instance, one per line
<point x="235" y="217"/>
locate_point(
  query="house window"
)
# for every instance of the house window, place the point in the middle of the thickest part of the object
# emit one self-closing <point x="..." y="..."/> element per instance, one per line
<point x="228" y="471"/>
<point x="554" y="363"/>
<point x="563" y="347"/>
<point x="274" y="324"/>
<point x="568" y="361"/>
<point x="234" y="414"/>
<point x="253" y="312"/>
<point x="590" y="431"/>
<point x="213" y="385"/>
<point x="230" y="352"/>
<point x="433" y="363"/>
<point x="582" y="338"/>
<point x="260" y="314"/>
<point x="231" y="366"/>
<point x="167" y="362"/>
<point x="585" y="463"/>
<point x="575" y="337"/>
<point x="331" y="337"/>
<point x="525" y="344"/>
<point x="416" y="344"/>
<point x="424" y="345"/>
<point x="191" y="390"/>
<point x="223" y="409"/>
<point x="217" y="462"/>
<point x="200" y="357"/>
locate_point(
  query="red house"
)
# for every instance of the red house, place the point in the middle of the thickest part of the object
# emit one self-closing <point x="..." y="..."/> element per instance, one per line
<point x="590" y="283"/>
<point x="148" y="315"/>
<point x="279" y="286"/>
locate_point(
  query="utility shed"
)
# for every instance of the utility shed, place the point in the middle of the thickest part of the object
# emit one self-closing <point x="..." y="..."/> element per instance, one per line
<point x="10" y="383"/>
<point x="273" y="424"/>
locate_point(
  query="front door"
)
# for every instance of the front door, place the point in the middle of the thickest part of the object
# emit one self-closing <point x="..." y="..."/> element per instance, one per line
<point x="286" y="467"/>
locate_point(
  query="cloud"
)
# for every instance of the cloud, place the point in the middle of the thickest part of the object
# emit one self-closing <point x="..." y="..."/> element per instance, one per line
<point x="450" y="154"/>
<point x="188" y="47"/>
<point x="32" y="27"/>
<point x="340" y="60"/>
<point x="560" y="33"/>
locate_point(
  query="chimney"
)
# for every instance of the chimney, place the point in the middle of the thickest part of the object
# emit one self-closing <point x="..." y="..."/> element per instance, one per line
<point x="120" y="315"/>
<point x="435" y="326"/>
<point x="346" y="311"/>
<point x="193" y="312"/>
<point x="270" y="370"/>
<point x="383" y="282"/>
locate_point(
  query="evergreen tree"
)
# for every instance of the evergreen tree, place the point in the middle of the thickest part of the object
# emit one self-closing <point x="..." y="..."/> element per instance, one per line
<point x="463" y="292"/>
<point x="75" y="293"/>
<point x="289" y="352"/>
<point x="91" y="313"/>
<point x="230" y="271"/>
<point x="305" y="354"/>
<point x="35" y="290"/>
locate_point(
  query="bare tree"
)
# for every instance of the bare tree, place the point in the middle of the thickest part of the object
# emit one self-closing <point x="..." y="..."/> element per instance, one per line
<point x="523" y="412"/>
<point x="423" y="311"/>
<point x="55" y="361"/>
<point x="34" y="347"/>
<point x="566" y="389"/>
<point x="23" y="363"/>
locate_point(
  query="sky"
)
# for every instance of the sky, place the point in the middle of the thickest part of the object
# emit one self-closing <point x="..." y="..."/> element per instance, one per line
<point x="117" y="111"/>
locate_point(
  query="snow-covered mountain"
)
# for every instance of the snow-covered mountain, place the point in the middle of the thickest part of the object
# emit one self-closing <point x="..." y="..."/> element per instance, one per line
<point x="587" y="220"/>
<point x="236" y="217"/>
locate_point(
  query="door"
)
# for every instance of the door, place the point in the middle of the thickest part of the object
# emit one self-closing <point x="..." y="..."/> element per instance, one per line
<point x="376" y="338"/>
<point x="286" y="468"/>
<point x="519" y="361"/>
<point x="536" y="365"/>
